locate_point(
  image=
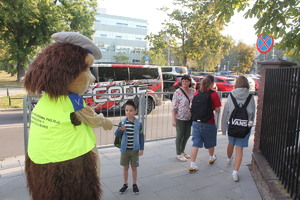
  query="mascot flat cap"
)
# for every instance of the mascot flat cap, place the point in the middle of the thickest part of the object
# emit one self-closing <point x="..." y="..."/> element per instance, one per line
<point x="79" y="40"/>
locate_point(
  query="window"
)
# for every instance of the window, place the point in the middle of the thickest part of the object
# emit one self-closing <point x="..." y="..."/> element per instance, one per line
<point x="140" y="26"/>
<point x="138" y="38"/>
<point x="136" y="61"/>
<point x="167" y="69"/>
<point x="218" y="80"/>
<point x="181" y="70"/>
<point x="168" y="77"/>
<point x="103" y="35"/>
<point x="121" y="24"/>
<point x="143" y="73"/>
<point x="118" y="36"/>
<point x="112" y="74"/>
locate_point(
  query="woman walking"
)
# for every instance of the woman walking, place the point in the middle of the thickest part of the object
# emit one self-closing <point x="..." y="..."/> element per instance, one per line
<point x="240" y="94"/>
<point x="204" y="128"/>
<point x="181" y="116"/>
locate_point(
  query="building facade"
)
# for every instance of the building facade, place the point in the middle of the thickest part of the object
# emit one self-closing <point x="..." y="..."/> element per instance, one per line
<point x="115" y="35"/>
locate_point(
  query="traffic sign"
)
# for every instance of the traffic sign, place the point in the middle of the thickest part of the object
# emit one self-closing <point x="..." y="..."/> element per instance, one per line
<point x="264" y="43"/>
<point x="146" y="58"/>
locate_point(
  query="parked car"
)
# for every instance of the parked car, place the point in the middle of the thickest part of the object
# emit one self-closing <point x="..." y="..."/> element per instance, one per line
<point x="251" y="85"/>
<point x="172" y="82"/>
<point x="224" y="84"/>
<point x="198" y="80"/>
<point x="256" y="80"/>
<point x="174" y="69"/>
<point x="203" y="73"/>
<point x="225" y="73"/>
<point x="124" y="78"/>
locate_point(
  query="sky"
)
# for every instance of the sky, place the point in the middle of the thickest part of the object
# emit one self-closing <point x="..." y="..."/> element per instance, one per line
<point x="239" y="28"/>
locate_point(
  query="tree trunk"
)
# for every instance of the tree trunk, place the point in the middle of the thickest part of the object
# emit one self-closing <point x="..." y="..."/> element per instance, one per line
<point x="184" y="61"/>
<point x="20" y="71"/>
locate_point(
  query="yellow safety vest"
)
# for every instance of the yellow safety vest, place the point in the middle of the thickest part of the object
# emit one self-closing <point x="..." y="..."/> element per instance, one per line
<point x="53" y="138"/>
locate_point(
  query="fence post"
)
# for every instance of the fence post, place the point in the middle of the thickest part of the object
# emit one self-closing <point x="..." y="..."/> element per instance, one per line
<point x="9" y="99"/>
<point x="264" y="65"/>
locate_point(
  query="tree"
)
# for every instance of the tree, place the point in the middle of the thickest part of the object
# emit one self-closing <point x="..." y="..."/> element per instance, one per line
<point x="193" y="32"/>
<point x="240" y="58"/>
<point x="155" y="58"/>
<point x="275" y="17"/>
<point x="26" y="26"/>
<point x="121" y="58"/>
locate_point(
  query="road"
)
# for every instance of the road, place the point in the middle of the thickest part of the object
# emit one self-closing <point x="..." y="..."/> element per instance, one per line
<point x="157" y="126"/>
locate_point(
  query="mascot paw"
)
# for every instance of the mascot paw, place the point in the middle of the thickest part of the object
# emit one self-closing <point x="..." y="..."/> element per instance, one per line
<point x="107" y="124"/>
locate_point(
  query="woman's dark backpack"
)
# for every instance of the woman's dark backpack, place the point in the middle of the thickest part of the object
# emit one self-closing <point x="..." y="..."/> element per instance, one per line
<point x="201" y="109"/>
<point x="238" y="120"/>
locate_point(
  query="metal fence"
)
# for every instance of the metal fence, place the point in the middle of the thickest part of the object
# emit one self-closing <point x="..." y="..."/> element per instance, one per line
<point x="157" y="124"/>
<point x="279" y="140"/>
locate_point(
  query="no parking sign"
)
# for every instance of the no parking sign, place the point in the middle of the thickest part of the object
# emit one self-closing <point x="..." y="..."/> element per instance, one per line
<point x="264" y="43"/>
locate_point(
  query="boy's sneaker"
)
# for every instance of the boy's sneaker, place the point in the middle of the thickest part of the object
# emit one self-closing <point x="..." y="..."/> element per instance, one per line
<point x="193" y="169"/>
<point x="123" y="189"/>
<point x="229" y="161"/>
<point x="235" y="177"/>
<point x="135" y="189"/>
<point x="213" y="160"/>
<point x="181" y="158"/>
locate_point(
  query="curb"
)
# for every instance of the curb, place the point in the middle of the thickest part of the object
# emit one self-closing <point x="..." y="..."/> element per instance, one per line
<point x="11" y="109"/>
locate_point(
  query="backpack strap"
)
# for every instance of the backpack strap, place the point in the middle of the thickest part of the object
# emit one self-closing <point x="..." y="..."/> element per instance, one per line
<point x="234" y="100"/>
<point x="185" y="95"/>
<point x="247" y="101"/>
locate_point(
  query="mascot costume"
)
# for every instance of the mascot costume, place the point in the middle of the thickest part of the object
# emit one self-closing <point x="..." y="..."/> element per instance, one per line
<point x="62" y="161"/>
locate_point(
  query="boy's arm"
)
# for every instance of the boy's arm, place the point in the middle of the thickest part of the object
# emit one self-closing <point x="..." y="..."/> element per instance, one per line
<point x="119" y="131"/>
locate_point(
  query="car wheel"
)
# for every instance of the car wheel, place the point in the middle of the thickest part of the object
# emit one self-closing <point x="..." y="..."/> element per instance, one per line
<point x="150" y="105"/>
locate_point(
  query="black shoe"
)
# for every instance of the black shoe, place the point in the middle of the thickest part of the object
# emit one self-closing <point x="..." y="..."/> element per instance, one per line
<point x="123" y="189"/>
<point x="135" y="189"/>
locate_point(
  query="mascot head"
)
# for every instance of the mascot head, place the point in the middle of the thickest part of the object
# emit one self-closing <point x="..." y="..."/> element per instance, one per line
<point x="63" y="67"/>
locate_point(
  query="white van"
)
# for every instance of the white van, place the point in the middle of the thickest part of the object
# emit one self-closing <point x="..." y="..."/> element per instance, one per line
<point x="174" y="69"/>
<point x="124" y="78"/>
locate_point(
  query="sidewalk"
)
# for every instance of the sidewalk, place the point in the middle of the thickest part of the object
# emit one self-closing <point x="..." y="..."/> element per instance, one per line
<point x="160" y="175"/>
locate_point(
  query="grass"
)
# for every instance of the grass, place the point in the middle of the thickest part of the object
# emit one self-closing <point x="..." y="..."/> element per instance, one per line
<point x="15" y="103"/>
<point x="8" y="81"/>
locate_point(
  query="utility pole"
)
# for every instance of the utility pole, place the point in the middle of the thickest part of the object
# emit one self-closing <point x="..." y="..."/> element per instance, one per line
<point x="169" y="55"/>
<point x="228" y="65"/>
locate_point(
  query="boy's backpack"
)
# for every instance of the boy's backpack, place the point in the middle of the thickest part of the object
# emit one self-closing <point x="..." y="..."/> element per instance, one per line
<point x="238" y="120"/>
<point x="118" y="136"/>
<point x="201" y="109"/>
<point x="118" y="140"/>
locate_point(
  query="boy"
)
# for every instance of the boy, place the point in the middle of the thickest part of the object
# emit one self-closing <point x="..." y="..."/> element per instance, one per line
<point x="132" y="145"/>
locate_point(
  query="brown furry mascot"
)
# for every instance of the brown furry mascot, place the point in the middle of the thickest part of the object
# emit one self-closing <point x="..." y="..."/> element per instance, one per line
<point x="62" y="161"/>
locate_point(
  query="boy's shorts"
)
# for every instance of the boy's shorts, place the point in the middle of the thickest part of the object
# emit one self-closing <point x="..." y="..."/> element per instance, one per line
<point x="130" y="157"/>
<point x="204" y="134"/>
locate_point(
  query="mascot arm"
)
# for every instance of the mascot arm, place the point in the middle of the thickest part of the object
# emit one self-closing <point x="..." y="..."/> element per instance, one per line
<point x="88" y="116"/>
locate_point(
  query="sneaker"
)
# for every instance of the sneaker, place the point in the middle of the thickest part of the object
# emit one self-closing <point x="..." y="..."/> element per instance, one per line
<point x="186" y="155"/>
<point x="135" y="189"/>
<point x="181" y="158"/>
<point x="213" y="160"/>
<point x="229" y="161"/>
<point x="123" y="189"/>
<point x="193" y="170"/>
<point x="235" y="177"/>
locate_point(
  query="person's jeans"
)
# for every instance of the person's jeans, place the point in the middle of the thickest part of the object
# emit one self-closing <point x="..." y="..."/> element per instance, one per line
<point x="183" y="132"/>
